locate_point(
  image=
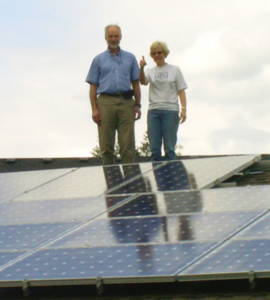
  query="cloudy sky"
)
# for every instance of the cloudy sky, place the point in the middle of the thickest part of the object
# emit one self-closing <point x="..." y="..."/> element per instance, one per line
<point x="222" y="48"/>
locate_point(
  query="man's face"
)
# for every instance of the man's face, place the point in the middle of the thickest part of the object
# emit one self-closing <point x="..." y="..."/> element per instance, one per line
<point x="113" y="37"/>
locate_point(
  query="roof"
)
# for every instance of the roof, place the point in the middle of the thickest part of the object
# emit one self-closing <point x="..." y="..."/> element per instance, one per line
<point x="47" y="163"/>
<point x="254" y="175"/>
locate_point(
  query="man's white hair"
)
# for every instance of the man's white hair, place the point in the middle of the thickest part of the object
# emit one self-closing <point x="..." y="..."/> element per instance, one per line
<point x="108" y="26"/>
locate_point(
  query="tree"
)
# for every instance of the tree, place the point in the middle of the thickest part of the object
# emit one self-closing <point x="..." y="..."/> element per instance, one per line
<point x="178" y="149"/>
<point x="144" y="148"/>
<point x="96" y="152"/>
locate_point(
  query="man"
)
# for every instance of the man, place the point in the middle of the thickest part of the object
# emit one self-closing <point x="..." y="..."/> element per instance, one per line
<point x="111" y="75"/>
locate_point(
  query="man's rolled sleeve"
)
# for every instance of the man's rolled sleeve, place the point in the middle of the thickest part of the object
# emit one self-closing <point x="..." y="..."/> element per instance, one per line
<point x="94" y="73"/>
<point x="135" y="70"/>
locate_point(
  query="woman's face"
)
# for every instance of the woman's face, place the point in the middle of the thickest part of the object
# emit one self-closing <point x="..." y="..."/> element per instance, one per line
<point x="158" y="55"/>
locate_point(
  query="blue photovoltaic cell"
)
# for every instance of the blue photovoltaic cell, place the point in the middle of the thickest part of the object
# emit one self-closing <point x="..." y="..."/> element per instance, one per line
<point x="159" y="230"/>
<point x="234" y="257"/>
<point x="53" y="211"/>
<point x="259" y="230"/>
<point x="25" y="237"/>
<point x="7" y="256"/>
<point x="105" y="262"/>
<point x="183" y="202"/>
<point x="16" y="183"/>
<point x="142" y="205"/>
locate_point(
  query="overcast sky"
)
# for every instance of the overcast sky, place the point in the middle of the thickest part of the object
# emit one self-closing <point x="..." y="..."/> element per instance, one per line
<point x="221" y="46"/>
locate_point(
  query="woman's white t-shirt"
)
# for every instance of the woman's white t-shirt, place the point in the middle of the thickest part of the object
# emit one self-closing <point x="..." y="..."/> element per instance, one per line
<point x="165" y="83"/>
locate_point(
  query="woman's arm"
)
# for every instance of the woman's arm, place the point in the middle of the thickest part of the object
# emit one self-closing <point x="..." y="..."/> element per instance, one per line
<point x="143" y="79"/>
<point x="183" y="101"/>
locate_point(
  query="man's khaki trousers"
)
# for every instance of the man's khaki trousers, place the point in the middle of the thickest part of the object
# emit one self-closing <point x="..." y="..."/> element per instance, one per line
<point x="117" y="115"/>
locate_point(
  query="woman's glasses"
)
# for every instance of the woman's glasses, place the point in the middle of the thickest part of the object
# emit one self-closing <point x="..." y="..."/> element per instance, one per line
<point x="156" y="52"/>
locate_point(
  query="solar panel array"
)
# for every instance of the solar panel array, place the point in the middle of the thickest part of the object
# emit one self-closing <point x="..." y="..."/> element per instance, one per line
<point x="143" y="222"/>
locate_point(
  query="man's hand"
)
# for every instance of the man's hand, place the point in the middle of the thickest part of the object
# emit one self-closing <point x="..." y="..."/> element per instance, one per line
<point x="137" y="96"/>
<point x="96" y="116"/>
<point x="137" y="112"/>
<point x="183" y="116"/>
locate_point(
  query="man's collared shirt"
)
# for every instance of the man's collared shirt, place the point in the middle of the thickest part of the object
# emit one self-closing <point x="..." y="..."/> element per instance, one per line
<point x="113" y="73"/>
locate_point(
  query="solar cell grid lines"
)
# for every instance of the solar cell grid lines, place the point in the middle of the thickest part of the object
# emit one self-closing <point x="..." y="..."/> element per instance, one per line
<point x="129" y="223"/>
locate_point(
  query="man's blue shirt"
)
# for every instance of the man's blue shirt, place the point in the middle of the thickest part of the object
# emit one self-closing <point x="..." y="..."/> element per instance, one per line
<point x="113" y="73"/>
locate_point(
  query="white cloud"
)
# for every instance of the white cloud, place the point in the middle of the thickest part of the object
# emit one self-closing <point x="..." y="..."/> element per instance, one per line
<point x="47" y="47"/>
<point x="241" y="135"/>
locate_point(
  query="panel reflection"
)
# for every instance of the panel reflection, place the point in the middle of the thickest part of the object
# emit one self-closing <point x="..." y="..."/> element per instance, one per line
<point x="126" y="179"/>
<point x="169" y="177"/>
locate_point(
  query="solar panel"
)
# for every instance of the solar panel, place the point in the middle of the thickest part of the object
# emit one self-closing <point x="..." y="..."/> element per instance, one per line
<point x="202" y="171"/>
<point x="17" y="183"/>
<point x="156" y="230"/>
<point x="121" y="263"/>
<point x="233" y="199"/>
<point x="236" y="259"/>
<point x="6" y="256"/>
<point x="139" y="178"/>
<point x="187" y="174"/>
<point x="54" y="211"/>
<point x="29" y="236"/>
<point x="126" y="223"/>
<point x="258" y="230"/>
<point x="86" y="182"/>
<point x="246" y="252"/>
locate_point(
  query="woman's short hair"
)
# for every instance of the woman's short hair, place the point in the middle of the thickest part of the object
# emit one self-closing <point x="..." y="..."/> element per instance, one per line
<point x="163" y="45"/>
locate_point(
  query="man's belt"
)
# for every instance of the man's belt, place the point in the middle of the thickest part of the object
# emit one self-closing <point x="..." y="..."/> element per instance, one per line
<point x="127" y="95"/>
<point x="112" y="95"/>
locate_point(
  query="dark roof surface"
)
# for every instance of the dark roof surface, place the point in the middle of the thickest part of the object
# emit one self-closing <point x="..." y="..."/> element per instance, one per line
<point x="30" y="164"/>
<point x="219" y="290"/>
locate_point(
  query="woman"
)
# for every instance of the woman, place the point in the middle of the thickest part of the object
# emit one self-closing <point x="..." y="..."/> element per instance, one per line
<point x="166" y="85"/>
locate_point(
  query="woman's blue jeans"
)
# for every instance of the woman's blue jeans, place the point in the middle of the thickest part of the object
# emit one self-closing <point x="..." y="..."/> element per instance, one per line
<point x="162" y="126"/>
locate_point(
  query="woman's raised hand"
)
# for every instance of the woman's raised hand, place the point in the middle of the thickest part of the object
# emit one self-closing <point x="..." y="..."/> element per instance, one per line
<point x="143" y="62"/>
